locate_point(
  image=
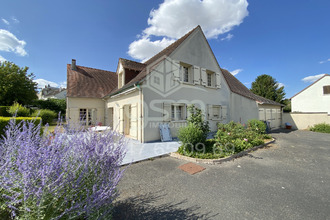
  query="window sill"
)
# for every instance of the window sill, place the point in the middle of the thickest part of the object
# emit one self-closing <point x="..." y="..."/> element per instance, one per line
<point x="179" y="121"/>
<point x="188" y="83"/>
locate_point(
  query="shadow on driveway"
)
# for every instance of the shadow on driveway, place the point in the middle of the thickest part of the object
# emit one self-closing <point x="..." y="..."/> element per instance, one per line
<point x="143" y="207"/>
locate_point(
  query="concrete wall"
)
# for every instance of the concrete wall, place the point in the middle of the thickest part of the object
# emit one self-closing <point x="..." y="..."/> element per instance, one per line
<point x="243" y="109"/>
<point x="303" y="121"/>
<point x="74" y="104"/>
<point x="312" y="98"/>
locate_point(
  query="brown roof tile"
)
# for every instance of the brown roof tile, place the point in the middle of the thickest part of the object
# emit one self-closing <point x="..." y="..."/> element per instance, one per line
<point x="237" y="87"/>
<point x="89" y="82"/>
<point x="132" y="65"/>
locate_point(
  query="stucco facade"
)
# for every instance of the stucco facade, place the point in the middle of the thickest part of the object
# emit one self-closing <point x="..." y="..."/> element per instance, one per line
<point x="313" y="98"/>
<point x="144" y="95"/>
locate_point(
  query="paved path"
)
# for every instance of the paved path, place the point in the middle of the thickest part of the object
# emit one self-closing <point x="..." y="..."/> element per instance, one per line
<point x="137" y="151"/>
<point x="289" y="180"/>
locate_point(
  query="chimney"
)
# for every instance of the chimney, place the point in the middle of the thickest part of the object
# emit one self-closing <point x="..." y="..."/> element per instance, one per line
<point x="73" y="65"/>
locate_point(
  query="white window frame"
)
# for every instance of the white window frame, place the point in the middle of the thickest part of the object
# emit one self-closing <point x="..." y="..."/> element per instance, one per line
<point x="210" y="78"/>
<point x="186" y="73"/>
<point x="216" y="112"/>
<point x="88" y="117"/>
<point x="178" y="108"/>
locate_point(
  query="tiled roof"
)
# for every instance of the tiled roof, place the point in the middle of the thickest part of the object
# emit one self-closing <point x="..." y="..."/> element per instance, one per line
<point x="310" y="85"/>
<point x="165" y="52"/>
<point x="89" y="82"/>
<point x="133" y="65"/>
<point x="237" y="87"/>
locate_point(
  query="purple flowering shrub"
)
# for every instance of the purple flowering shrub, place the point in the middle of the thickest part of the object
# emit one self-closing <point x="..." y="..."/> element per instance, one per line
<point x="64" y="174"/>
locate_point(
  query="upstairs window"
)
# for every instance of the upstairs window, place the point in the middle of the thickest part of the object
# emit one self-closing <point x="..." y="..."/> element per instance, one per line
<point x="326" y="90"/>
<point x="209" y="79"/>
<point x="185" y="74"/>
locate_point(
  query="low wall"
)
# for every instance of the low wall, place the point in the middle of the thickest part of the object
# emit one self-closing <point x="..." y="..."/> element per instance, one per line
<point x="304" y="120"/>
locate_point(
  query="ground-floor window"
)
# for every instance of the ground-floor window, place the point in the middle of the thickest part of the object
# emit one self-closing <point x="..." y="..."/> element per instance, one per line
<point x="178" y="112"/>
<point x="87" y="116"/>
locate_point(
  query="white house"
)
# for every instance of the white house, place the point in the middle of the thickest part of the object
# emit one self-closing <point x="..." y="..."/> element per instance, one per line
<point x="52" y="92"/>
<point x="313" y="99"/>
<point x="139" y="96"/>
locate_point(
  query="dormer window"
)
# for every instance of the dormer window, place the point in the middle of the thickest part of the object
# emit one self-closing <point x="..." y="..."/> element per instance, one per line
<point x="120" y="79"/>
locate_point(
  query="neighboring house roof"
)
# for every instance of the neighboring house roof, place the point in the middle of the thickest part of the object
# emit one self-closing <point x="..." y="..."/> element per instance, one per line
<point x="89" y="82"/>
<point x="237" y="87"/>
<point x="310" y="85"/>
<point x="165" y="52"/>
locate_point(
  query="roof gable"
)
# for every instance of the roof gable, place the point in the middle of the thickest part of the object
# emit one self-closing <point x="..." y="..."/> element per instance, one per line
<point x="325" y="75"/>
<point x="89" y="82"/>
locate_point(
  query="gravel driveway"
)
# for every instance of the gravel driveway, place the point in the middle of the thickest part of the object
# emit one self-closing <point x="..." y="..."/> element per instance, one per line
<point x="288" y="180"/>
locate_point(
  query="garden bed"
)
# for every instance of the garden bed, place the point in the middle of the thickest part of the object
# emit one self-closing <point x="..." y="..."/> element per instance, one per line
<point x="223" y="159"/>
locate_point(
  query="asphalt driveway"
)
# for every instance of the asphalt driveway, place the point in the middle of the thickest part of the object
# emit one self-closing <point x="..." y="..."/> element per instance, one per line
<point x="288" y="180"/>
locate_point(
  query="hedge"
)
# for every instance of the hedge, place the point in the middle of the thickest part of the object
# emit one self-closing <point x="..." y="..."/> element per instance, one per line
<point x="5" y="120"/>
<point x="4" y="111"/>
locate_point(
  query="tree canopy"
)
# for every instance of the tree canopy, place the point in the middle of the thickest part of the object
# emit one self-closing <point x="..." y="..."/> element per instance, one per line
<point x="266" y="86"/>
<point x="16" y="85"/>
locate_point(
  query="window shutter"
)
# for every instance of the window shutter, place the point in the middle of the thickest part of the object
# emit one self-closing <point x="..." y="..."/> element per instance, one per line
<point x="134" y="120"/>
<point x="204" y="76"/>
<point x="121" y="119"/>
<point x="167" y="113"/>
<point x="176" y="70"/>
<point x="217" y="80"/>
<point x="197" y="75"/>
<point x="210" y="112"/>
<point x="224" y="112"/>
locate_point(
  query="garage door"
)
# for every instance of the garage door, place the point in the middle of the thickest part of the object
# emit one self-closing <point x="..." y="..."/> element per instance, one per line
<point x="272" y="115"/>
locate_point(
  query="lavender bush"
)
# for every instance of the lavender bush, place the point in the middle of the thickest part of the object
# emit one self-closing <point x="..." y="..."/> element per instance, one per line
<point x="66" y="174"/>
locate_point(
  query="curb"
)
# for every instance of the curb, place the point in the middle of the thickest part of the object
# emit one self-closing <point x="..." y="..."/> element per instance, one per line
<point x="220" y="160"/>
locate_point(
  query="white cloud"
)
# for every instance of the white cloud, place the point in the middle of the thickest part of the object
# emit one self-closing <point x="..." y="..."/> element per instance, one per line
<point x="63" y="84"/>
<point x="2" y="59"/>
<point x="145" y="48"/>
<point x="235" y="72"/>
<point x="228" y="37"/>
<point x="324" y="61"/>
<point x="280" y="85"/>
<point x="42" y="83"/>
<point x="174" y="18"/>
<point x="10" y="43"/>
<point x="312" y="79"/>
<point x="5" y="21"/>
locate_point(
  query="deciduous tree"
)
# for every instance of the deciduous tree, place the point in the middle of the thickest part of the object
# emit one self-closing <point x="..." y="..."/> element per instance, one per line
<point x="16" y="85"/>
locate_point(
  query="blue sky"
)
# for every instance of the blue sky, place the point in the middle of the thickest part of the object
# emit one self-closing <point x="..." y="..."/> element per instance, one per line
<point x="289" y="40"/>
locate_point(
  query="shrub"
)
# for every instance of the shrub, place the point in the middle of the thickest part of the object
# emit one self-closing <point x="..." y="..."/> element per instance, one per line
<point x="190" y="136"/>
<point x="195" y="132"/>
<point x="19" y="110"/>
<point x="59" y="176"/>
<point x="46" y="115"/>
<point x="4" y="122"/>
<point x="4" y="111"/>
<point x="56" y="105"/>
<point x="323" y="128"/>
<point x="257" y="126"/>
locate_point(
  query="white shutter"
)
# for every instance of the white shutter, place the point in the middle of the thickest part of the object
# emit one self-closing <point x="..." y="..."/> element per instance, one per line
<point x="134" y="120"/>
<point x="167" y="111"/>
<point x="204" y="76"/>
<point x="224" y="112"/>
<point x="197" y="75"/>
<point x="121" y="119"/>
<point x="176" y="70"/>
<point x="217" y="80"/>
<point x="209" y="112"/>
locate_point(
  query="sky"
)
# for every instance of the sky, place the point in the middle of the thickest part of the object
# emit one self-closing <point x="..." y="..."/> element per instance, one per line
<point x="289" y="40"/>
